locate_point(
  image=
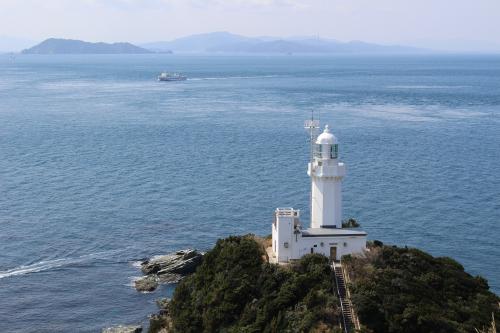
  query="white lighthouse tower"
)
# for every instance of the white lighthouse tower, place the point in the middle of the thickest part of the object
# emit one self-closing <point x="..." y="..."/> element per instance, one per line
<point x="326" y="174"/>
<point x="326" y="235"/>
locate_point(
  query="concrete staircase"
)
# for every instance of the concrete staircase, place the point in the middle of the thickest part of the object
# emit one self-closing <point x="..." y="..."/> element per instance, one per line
<point x="350" y="322"/>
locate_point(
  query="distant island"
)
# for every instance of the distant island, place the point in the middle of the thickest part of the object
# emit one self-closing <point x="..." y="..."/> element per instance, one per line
<point x="71" y="46"/>
<point x="225" y="42"/>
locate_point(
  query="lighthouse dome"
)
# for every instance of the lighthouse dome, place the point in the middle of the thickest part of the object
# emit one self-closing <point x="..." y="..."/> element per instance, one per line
<point x="326" y="138"/>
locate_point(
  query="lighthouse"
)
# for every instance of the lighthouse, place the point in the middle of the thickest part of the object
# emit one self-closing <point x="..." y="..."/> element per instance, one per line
<point x="326" y="236"/>
<point x="326" y="174"/>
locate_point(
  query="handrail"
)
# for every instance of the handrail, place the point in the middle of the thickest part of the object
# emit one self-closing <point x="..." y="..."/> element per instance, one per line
<point x="287" y="211"/>
<point x="347" y="280"/>
<point x="340" y="297"/>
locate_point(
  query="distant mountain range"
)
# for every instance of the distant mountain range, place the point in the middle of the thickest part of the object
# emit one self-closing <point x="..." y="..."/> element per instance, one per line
<point x="70" y="46"/>
<point x="228" y="43"/>
<point x="225" y="42"/>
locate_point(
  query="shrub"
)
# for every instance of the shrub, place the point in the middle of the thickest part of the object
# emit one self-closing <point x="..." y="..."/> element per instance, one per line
<point x="407" y="290"/>
<point x="233" y="290"/>
<point x="350" y="223"/>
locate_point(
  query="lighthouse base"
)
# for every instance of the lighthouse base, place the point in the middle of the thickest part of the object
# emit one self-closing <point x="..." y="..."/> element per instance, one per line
<point x="291" y="242"/>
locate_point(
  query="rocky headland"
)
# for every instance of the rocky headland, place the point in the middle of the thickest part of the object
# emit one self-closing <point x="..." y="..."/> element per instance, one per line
<point x="233" y="288"/>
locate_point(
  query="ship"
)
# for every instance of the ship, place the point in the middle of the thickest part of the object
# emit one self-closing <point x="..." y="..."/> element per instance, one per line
<point x="165" y="76"/>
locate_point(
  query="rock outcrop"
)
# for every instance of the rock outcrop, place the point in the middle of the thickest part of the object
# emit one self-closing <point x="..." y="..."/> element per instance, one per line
<point x="161" y="322"/>
<point x="147" y="283"/>
<point x="123" y="329"/>
<point x="163" y="303"/>
<point x="170" y="268"/>
<point x="181" y="262"/>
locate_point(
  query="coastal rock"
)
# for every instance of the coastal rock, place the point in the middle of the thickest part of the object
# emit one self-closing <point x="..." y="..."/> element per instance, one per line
<point x="160" y="322"/>
<point x="123" y="329"/>
<point x="170" y="268"/>
<point x="181" y="262"/>
<point x="147" y="283"/>
<point x="163" y="303"/>
<point x="169" y="278"/>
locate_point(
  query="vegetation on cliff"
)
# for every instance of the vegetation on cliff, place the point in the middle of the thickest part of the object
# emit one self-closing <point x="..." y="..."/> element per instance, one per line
<point x="407" y="290"/>
<point x="236" y="290"/>
<point x="393" y="290"/>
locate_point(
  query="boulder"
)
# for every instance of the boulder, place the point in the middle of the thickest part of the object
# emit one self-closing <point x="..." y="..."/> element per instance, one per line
<point x="147" y="283"/>
<point x="123" y="329"/>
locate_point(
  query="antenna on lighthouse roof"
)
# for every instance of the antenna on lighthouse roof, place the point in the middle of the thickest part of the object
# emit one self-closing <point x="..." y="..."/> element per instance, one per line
<point x="311" y="125"/>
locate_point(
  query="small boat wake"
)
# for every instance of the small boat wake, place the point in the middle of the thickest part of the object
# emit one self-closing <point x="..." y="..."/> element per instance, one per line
<point x="47" y="265"/>
<point x="232" y="77"/>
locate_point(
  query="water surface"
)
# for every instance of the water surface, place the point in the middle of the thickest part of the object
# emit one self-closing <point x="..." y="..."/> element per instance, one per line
<point x="100" y="166"/>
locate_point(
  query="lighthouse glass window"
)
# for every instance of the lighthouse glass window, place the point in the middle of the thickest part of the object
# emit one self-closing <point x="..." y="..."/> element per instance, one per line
<point x="317" y="151"/>
<point x="334" y="151"/>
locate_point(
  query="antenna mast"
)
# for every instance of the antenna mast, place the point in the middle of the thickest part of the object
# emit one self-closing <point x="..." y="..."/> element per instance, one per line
<point x="311" y="125"/>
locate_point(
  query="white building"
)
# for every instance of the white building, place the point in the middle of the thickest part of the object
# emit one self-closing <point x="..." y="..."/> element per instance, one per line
<point x="326" y="235"/>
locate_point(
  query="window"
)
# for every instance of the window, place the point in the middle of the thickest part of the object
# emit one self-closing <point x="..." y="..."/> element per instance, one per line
<point x="334" y="151"/>
<point x="285" y="245"/>
<point x="317" y="151"/>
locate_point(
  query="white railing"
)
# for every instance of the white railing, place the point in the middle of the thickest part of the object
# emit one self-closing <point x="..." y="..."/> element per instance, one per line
<point x="347" y="281"/>
<point x="287" y="211"/>
<point x="340" y="298"/>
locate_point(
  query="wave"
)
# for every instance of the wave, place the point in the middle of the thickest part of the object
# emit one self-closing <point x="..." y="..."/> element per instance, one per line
<point x="46" y="265"/>
<point x="137" y="263"/>
<point x="131" y="281"/>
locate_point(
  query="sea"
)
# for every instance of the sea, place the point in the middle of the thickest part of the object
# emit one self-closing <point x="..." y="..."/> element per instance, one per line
<point x="102" y="166"/>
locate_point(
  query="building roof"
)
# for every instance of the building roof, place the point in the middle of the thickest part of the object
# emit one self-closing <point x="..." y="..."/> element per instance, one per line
<point x="326" y="138"/>
<point x="331" y="232"/>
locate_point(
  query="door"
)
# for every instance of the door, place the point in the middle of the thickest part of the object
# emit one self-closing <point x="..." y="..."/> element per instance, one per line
<point x="333" y="253"/>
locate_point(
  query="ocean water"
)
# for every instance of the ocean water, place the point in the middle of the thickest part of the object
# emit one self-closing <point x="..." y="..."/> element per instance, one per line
<point x="100" y="166"/>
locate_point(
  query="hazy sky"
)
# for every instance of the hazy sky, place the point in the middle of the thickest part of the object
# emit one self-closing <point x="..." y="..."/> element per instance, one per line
<point x="465" y="24"/>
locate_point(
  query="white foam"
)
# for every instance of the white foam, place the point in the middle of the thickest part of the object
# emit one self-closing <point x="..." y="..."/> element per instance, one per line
<point x="136" y="264"/>
<point x="36" y="267"/>
<point x="131" y="281"/>
<point x="46" y="265"/>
